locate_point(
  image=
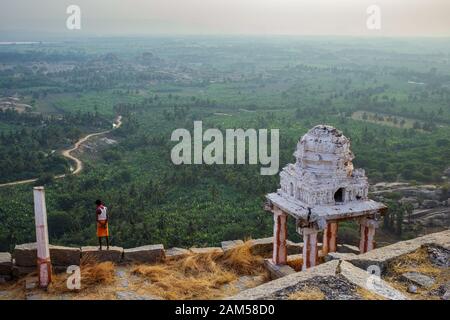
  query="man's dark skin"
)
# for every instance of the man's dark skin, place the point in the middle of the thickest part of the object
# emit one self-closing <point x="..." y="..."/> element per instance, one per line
<point x="101" y="224"/>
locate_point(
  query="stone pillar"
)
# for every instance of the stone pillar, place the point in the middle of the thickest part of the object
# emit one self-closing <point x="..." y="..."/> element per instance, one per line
<point x="43" y="252"/>
<point x="310" y="251"/>
<point x="329" y="243"/>
<point x="279" y="236"/>
<point x="367" y="230"/>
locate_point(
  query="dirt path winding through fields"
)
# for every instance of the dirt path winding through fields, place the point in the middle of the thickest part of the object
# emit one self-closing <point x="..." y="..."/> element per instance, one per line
<point x="67" y="154"/>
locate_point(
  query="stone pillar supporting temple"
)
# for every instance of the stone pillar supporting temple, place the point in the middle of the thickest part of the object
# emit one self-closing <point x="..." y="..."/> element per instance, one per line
<point x="367" y="229"/>
<point x="329" y="238"/>
<point x="43" y="252"/>
<point x="279" y="236"/>
<point x="310" y="252"/>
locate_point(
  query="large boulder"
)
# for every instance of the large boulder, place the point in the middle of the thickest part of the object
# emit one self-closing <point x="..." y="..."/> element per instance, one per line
<point x="5" y="263"/>
<point x="92" y="254"/>
<point x="145" y="254"/>
<point x="25" y="255"/>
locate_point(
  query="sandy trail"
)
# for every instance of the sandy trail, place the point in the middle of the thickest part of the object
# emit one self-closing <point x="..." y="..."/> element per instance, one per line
<point x="67" y="154"/>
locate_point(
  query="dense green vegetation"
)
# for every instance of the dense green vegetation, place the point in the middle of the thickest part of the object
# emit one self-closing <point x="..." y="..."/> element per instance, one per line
<point x="29" y="152"/>
<point x="401" y="90"/>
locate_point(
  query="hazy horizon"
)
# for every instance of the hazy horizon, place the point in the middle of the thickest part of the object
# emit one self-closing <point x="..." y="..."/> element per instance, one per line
<point x="400" y="18"/>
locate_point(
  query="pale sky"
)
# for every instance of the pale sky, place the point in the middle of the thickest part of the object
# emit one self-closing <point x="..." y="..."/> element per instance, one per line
<point x="253" y="17"/>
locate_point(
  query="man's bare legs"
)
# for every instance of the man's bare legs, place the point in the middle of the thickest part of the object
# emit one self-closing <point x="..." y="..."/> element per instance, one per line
<point x="100" y="243"/>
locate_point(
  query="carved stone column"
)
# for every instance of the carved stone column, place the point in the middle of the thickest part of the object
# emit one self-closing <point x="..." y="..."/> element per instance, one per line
<point x="279" y="236"/>
<point x="310" y="252"/>
<point x="329" y="243"/>
<point x="43" y="252"/>
<point x="367" y="230"/>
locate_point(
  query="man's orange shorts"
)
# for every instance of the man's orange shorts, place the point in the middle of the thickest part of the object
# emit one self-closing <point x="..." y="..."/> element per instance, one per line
<point x="102" y="229"/>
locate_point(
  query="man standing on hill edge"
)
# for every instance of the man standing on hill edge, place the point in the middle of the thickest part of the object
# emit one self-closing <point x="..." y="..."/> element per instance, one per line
<point x="102" y="223"/>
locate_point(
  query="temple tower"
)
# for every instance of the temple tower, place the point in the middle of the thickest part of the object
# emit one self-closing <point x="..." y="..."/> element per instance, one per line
<point x="320" y="189"/>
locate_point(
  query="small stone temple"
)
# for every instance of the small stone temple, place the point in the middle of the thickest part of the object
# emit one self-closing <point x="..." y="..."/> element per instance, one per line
<point x="321" y="189"/>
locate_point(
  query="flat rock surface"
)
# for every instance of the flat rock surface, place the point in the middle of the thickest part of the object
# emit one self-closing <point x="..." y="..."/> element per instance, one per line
<point x="267" y="290"/>
<point x="419" y="279"/>
<point x="382" y="256"/>
<point x="245" y="282"/>
<point x="446" y="295"/>
<point x="131" y="295"/>
<point x="31" y="283"/>
<point x="332" y="287"/>
<point x="368" y="281"/>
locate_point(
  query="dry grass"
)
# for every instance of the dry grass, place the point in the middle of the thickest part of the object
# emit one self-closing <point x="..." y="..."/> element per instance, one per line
<point x="308" y="293"/>
<point x="200" y="276"/>
<point x="196" y="276"/>
<point x="296" y="264"/>
<point x="102" y="273"/>
<point x="241" y="260"/>
<point x="92" y="275"/>
<point x="417" y="261"/>
<point x="14" y="290"/>
<point x="368" y="295"/>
